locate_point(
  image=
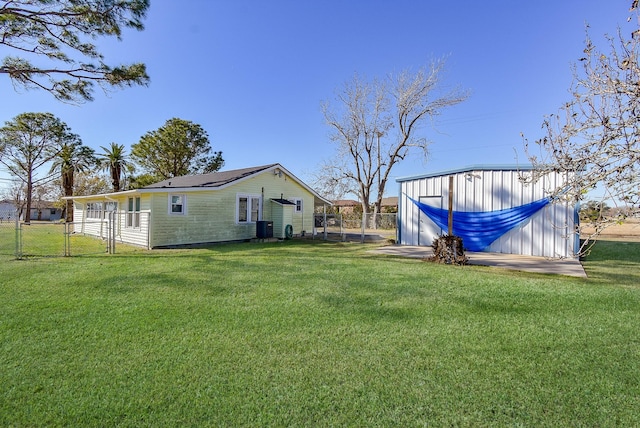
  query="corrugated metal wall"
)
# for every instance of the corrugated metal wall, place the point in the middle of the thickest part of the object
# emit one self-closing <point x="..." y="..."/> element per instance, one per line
<point x="548" y="233"/>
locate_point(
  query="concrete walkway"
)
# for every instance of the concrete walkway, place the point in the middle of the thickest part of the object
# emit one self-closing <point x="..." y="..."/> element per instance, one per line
<point x="569" y="267"/>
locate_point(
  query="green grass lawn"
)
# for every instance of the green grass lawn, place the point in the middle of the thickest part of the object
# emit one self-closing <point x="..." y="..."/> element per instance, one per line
<point x="308" y="333"/>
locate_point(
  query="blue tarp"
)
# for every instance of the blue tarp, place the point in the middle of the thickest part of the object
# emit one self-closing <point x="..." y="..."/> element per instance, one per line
<point x="479" y="229"/>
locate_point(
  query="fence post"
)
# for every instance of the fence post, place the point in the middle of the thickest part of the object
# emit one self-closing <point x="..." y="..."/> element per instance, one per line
<point x="110" y="233"/>
<point x="18" y="252"/>
<point x="67" y="244"/>
<point x="112" y="223"/>
<point x="324" y="222"/>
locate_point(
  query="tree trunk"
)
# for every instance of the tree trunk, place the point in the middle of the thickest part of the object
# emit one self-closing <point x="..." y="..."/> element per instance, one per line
<point x="67" y="184"/>
<point x="27" y="216"/>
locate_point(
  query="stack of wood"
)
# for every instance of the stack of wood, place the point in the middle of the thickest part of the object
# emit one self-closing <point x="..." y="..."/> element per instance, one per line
<point x="448" y="249"/>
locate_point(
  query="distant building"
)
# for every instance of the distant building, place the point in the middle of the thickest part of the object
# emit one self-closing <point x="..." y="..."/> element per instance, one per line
<point x="348" y="206"/>
<point x="7" y="211"/>
<point x="45" y="211"/>
<point x="345" y="206"/>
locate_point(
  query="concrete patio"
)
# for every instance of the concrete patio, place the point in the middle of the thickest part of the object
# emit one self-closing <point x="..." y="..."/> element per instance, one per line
<point x="568" y="267"/>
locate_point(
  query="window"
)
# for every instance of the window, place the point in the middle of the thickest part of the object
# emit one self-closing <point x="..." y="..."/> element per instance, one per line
<point x="111" y="206"/>
<point x="177" y="204"/>
<point x="248" y="208"/>
<point x="298" y="202"/>
<point x="94" y="210"/>
<point x="133" y="212"/>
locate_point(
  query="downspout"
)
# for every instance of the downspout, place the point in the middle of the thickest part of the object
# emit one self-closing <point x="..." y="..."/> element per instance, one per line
<point x="84" y="216"/>
<point x="400" y="204"/>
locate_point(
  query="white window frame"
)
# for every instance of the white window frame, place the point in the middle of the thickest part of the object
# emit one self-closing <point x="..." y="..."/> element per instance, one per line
<point x="248" y="208"/>
<point x="133" y="212"/>
<point x="299" y="205"/>
<point x="94" y="210"/>
<point x="110" y="206"/>
<point x="184" y="204"/>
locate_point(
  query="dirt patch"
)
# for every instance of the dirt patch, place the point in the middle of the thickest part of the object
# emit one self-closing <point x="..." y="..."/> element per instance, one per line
<point x="627" y="231"/>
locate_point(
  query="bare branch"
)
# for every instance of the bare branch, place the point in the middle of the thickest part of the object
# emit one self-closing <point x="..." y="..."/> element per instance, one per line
<point x="377" y="123"/>
<point x="595" y="137"/>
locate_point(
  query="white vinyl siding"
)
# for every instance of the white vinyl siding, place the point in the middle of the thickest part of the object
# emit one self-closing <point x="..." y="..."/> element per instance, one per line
<point x="99" y="226"/>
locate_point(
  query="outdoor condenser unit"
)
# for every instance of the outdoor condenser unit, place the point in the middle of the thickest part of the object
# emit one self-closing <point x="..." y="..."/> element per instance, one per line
<point x="264" y="229"/>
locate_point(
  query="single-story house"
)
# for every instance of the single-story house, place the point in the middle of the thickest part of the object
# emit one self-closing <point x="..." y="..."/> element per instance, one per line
<point x="345" y="206"/>
<point x="45" y="211"/>
<point x="7" y="210"/>
<point x="234" y="205"/>
<point x="390" y="204"/>
<point x="40" y="210"/>
<point x="493" y="209"/>
<point x="348" y="206"/>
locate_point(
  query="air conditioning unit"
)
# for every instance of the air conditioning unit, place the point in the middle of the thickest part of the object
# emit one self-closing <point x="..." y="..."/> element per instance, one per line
<point x="264" y="229"/>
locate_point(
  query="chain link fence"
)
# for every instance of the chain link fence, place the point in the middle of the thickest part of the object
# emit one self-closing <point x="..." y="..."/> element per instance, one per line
<point x="48" y="238"/>
<point x="351" y="227"/>
<point x="8" y="232"/>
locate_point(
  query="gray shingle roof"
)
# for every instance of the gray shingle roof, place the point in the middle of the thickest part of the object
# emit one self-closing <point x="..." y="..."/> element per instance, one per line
<point x="214" y="179"/>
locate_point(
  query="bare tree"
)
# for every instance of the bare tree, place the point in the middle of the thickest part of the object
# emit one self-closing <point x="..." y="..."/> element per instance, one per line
<point x="376" y="124"/>
<point x="595" y="136"/>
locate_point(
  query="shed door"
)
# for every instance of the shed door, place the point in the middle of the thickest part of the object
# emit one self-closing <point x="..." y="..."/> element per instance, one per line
<point x="428" y="230"/>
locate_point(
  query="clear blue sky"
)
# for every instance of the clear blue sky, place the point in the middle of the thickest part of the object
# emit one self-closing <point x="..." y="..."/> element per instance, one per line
<point x="254" y="73"/>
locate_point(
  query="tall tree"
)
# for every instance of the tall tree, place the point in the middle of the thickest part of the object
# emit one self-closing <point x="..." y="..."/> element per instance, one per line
<point x="30" y="141"/>
<point x="61" y="32"/>
<point x="376" y="124"/>
<point x="72" y="158"/>
<point x="114" y="159"/>
<point x="595" y="136"/>
<point x="180" y="147"/>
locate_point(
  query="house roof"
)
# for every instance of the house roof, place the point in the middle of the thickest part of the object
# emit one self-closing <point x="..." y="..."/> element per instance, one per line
<point x="391" y="201"/>
<point x="282" y="201"/>
<point x="214" y="179"/>
<point x="345" y="203"/>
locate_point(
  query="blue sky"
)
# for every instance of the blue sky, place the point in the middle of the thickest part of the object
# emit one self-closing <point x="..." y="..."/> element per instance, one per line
<point x="253" y="74"/>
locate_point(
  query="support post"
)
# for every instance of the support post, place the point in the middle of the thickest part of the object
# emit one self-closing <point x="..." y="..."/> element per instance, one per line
<point x="450" y="232"/>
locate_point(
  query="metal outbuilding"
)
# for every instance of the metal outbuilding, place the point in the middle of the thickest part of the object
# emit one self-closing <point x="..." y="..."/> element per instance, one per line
<point x="493" y="208"/>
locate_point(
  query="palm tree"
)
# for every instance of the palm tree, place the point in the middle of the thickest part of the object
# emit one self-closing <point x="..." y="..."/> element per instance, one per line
<point x="115" y="160"/>
<point x="73" y="157"/>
